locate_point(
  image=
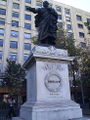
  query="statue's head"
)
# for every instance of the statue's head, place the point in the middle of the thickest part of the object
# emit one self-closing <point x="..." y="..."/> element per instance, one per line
<point x="45" y="4"/>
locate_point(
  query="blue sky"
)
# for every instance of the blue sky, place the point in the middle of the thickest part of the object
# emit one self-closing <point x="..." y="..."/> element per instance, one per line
<point x="82" y="4"/>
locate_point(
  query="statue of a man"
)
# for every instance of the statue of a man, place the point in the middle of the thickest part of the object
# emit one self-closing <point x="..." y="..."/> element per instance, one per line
<point x="46" y="22"/>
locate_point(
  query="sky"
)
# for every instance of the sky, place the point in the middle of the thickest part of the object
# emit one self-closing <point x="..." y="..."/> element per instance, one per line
<point x="82" y="4"/>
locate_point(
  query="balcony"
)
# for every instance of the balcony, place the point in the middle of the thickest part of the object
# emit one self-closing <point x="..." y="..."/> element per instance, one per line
<point x="3" y="2"/>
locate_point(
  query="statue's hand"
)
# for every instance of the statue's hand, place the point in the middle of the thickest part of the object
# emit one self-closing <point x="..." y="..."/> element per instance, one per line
<point x="29" y="8"/>
<point x="32" y="9"/>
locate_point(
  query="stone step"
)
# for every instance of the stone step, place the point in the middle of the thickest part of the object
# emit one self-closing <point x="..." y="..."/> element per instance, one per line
<point x="17" y="118"/>
<point x="84" y="118"/>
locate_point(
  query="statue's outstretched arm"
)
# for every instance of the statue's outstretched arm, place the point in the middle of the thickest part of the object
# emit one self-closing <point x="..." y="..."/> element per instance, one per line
<point x="32" y="9"/>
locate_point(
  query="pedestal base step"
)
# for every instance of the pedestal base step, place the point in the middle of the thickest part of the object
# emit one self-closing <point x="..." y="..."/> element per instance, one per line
<point x="17" y="118"/>
<point x="84" y="118"/>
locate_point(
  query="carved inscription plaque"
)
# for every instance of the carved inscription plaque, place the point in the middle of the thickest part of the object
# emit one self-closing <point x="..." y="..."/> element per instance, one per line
<point x="52" y="82"/>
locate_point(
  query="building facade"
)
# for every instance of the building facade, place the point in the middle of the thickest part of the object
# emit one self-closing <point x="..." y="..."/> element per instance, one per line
<point x="17" y="27"/>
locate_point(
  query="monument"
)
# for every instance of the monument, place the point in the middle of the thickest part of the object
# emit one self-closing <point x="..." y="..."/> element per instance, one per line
<point x="46" y="23"/>
<point x="48" y="90"/>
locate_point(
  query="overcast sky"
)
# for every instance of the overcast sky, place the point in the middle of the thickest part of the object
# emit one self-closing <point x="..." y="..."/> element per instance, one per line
<point x="82" y="4"/>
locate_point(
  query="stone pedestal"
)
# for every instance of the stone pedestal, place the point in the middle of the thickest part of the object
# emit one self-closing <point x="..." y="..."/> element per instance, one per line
<point x="48" y="90"/>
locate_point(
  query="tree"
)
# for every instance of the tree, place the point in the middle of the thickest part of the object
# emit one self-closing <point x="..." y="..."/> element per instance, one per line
<point x="65" y="41"/>
<point x="34" y="40"/>
<point x="14" y="78"/>
<point x="80" y="64"/>
<point x="87" y="24"/>
<point x="85" y="66"/>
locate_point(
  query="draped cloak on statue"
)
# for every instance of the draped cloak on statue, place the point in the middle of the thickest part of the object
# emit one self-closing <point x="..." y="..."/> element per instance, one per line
<point x="46" y="23"/>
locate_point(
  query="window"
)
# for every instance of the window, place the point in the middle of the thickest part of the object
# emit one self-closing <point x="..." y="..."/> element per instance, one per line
<point x="1" y="43"/>
<point x="15" y="14"/>
<point x="1" y="54"/>
<point x="88" y="20"/>
<point x="82" y="44"/>
<point x="79" y="17"/>
<point x="28" y="1"/>
<point x="2" y="11"/>
<point x="68" y="19"/>
<point x="2" y="21"/>
<point x="81" y="34"/>
<point x="58" y="9"/>
<point x="1" y="31"/>
<point x="27" y="26"/>
<point x="15" y="23"/>
<point x="14" y="33"/>
<point x="13" y="44"/>
<point x="69" y="27"/>
<point x="67" y="11"/>
<point x="80" y="25"/>
<point x="27" y="35"/>
<point x="39" y="3"/>
<point x="59" y="17"/>
<point x="27" y="17"/>
<point x="27" y="46"/>
<point x="12" y="56"/>
<point x="16" y="6"/>
<point x="26" y="57"/>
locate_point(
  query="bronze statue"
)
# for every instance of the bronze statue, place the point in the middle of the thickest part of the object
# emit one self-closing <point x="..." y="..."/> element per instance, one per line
<point x="46" y="22"/>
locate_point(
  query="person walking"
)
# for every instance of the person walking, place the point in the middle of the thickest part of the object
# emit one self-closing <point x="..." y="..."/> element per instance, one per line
<point x="11" y="111"/>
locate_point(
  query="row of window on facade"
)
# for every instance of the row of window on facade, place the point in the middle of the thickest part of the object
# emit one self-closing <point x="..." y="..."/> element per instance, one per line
<point x="15" y="23"/>
<point x="28" y="35"/>
<point x="14" y="45"/>
<point x="79" y="18"/>
<point x="27" y="17"/>
<point x="16" y="34"/>
<point x="68" y="18"/>
<point x="27" y="1"/>
<point x="26" y="25"/>
<point x="15" y="14"/>
<point x="14" y="56"/>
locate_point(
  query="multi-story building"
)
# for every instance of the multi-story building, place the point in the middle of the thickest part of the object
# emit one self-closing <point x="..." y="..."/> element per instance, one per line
<point x="17" y="27"/>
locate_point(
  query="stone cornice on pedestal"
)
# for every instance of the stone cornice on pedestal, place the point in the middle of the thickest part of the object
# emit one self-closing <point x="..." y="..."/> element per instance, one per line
<point x="50" y="52"/>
